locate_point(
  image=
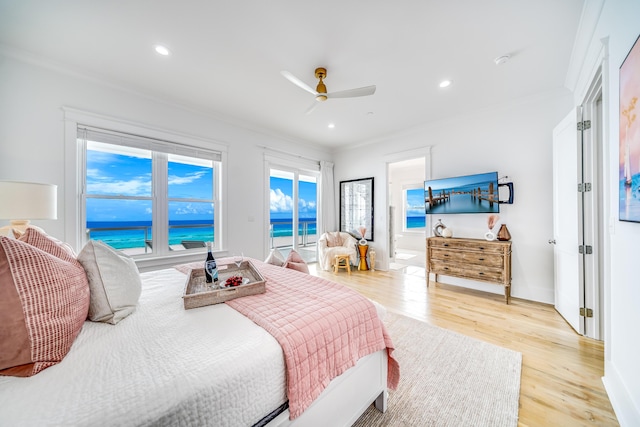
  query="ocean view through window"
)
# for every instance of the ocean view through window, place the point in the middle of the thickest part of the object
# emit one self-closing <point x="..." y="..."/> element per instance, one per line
<point x="148" y="200"/>
<point x="293" y="205"/>
<point x="414" y="209"/>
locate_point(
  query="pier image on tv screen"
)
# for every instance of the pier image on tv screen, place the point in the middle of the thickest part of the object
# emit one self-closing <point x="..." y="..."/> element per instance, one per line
<point x="462" y="194"/>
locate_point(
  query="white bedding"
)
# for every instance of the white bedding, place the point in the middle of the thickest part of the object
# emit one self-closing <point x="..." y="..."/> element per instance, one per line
<point x="162" y="365"/>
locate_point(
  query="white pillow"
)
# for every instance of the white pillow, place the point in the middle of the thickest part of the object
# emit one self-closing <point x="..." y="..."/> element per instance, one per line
<point x="114" y="282"/>
<point x="275" y="258"/>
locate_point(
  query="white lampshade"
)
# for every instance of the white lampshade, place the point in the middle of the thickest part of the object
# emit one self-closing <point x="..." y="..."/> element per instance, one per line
<point x="28" y="200"/>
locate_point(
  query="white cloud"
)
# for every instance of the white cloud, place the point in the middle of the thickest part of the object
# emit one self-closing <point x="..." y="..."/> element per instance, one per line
<point x="305" y="206"/>
<point x="134" y="187"/>
<point x="187" y="179"/>
<point x="280" y="202"/>
<point x="197" y="208"/>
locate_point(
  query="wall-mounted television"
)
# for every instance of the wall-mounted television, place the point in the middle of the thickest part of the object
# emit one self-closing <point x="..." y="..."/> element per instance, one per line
<point x="462" y="194"/>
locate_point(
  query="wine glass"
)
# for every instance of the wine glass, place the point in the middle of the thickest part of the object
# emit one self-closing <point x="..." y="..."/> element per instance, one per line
<point x="238" y="258"/>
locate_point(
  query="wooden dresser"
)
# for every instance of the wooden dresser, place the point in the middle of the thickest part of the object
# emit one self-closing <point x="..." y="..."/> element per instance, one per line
<point x="473" y="259"/>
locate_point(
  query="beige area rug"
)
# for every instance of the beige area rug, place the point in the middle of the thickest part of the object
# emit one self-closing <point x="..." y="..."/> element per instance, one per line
<point x="448" y="379"/>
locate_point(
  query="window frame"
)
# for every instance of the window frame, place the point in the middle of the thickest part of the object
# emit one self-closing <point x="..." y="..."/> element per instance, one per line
<point x="75" y="160"/>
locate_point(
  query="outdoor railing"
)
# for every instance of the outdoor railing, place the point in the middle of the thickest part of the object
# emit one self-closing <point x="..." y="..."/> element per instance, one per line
<point x="144" y="240"/>
<point x="306" y="234"/>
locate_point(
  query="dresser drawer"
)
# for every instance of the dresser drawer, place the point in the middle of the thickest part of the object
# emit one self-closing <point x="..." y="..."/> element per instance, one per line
<point x="464" y="244"/>
<point x="470" y="271"/>
<point x="468" y="257"/>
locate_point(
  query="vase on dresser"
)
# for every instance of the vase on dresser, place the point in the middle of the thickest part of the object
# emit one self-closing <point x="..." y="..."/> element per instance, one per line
<point x="503" y="233"/>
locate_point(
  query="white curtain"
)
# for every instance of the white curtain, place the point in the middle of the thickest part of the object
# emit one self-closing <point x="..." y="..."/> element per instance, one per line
<point x="327" y="198"/>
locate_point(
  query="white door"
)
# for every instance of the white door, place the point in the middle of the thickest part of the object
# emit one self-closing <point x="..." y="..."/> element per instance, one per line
<point x="568" y="275"/>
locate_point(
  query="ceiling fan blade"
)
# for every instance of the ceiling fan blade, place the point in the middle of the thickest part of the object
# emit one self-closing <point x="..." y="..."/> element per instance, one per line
<point x="352" y="93"/>
<point x="312" y="107"/>
<point x="296" y="81"/>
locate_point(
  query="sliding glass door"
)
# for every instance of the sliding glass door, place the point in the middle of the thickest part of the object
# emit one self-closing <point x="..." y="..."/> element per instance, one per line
<point x="293" y="204"/>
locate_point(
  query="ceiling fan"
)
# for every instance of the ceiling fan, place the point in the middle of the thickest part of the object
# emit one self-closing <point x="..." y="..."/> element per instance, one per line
<point x="321" y="93"/>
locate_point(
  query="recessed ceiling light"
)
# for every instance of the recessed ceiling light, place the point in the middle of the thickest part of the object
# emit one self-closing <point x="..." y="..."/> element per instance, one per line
<point x="445" y="83"/>
<point x="162" y="50"/>
<point x="331" y="125"/>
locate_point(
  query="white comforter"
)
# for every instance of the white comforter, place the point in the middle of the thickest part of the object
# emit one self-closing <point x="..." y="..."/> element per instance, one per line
<point x="162" y="365"/>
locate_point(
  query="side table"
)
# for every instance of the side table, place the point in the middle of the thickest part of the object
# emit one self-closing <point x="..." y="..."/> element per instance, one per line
<point x="362" y="253"/>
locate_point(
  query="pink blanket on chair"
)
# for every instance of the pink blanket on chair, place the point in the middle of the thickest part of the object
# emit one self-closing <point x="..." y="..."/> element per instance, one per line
<point x="323" y="327"/>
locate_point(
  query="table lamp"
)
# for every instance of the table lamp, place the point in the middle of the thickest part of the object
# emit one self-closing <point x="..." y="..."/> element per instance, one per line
<point x="24" y="201"/>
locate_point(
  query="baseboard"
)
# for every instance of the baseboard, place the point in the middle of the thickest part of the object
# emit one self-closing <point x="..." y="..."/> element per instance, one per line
<point x="625" y="408"/>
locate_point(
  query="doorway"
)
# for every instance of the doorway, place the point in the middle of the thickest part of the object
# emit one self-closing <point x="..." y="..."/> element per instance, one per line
<point x="407" y="219"/>
<point x="293" y="201"/>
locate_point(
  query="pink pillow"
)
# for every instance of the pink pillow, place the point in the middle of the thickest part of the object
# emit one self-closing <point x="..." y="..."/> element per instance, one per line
<point x="334" y="239"/>
<point x="37" y="237"/>
<point x="295" y="262"/>
<point x="44" y="300"/>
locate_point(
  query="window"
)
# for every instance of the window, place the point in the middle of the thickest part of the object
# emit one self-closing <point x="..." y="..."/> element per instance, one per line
<point x="145" y="196"/>
<point x="414" y="216"/>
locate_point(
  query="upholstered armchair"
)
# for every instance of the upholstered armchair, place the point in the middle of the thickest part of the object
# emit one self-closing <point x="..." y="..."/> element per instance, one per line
<point x="336" y="243"/>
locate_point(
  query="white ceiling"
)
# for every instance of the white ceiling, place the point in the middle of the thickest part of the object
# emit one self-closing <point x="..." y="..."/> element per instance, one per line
<point x="227" y="56"/>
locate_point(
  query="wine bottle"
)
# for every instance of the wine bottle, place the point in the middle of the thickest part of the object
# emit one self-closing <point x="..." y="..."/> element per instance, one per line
<point x="210" y="266"/>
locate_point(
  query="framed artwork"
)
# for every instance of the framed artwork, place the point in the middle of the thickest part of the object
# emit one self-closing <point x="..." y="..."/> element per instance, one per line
<point x="630" y="136"/>
<point x="356" y="207"/>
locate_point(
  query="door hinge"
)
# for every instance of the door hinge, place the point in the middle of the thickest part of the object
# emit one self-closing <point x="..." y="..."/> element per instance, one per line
<point x="586" y="312"/>
<point x="584" y="125"/>
<point x="584" y="187"/>
<point x="585" y="249"/>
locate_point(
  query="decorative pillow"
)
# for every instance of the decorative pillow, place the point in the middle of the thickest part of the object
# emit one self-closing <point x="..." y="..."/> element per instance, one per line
<point x="114" y="282"/>
<point x="334" y="239"/>
<point x="44" y="301"/>
<point x="295" y="262"/>
<point x="36" y="236"/>
<point x="275" y="258"/>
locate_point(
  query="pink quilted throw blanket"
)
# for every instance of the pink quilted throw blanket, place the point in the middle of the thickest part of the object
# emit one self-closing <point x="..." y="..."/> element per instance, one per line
<point x="324" y="328"/>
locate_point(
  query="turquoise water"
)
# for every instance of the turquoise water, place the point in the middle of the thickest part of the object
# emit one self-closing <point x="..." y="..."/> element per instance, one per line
<point x="134" y="233"/>
<point x="416" y="221"/>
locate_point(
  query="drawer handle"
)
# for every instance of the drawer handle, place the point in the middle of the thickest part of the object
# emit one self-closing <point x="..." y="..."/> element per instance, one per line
<point x="446" y="254"/>
<point x="480" y="259"/>
<point x="481" y="248"/>
<point x="445" y="244"/>
<point x="481" y="273"/>
<point x="446" y="268"/>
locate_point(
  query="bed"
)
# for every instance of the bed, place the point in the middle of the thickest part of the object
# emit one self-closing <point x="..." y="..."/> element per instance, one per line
<point x="164" y="365"/>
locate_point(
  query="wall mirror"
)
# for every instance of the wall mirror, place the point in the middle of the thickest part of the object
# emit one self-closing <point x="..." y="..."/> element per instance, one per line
<point x="356" y="206"/>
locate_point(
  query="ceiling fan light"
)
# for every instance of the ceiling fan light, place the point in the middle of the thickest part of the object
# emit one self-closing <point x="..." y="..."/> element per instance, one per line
<point x="321" y="97"/>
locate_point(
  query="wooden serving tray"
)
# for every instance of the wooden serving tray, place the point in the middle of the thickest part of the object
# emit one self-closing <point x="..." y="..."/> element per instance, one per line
<point x="198" y="293"/>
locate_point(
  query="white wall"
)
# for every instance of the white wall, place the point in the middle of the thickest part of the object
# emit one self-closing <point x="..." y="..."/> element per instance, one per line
<point x="613" y="36"/>
<point x="32" y="141"/>
<point x="515" y="141"/>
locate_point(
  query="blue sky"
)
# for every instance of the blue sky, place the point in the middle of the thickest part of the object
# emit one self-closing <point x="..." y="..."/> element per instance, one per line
<point x="281" y="198"/>
<point x="482" y="179"/>
<point x="123" y="171"/>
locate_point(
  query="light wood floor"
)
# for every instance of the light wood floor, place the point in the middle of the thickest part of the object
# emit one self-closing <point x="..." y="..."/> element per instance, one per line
<point x="561" y="371"/>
